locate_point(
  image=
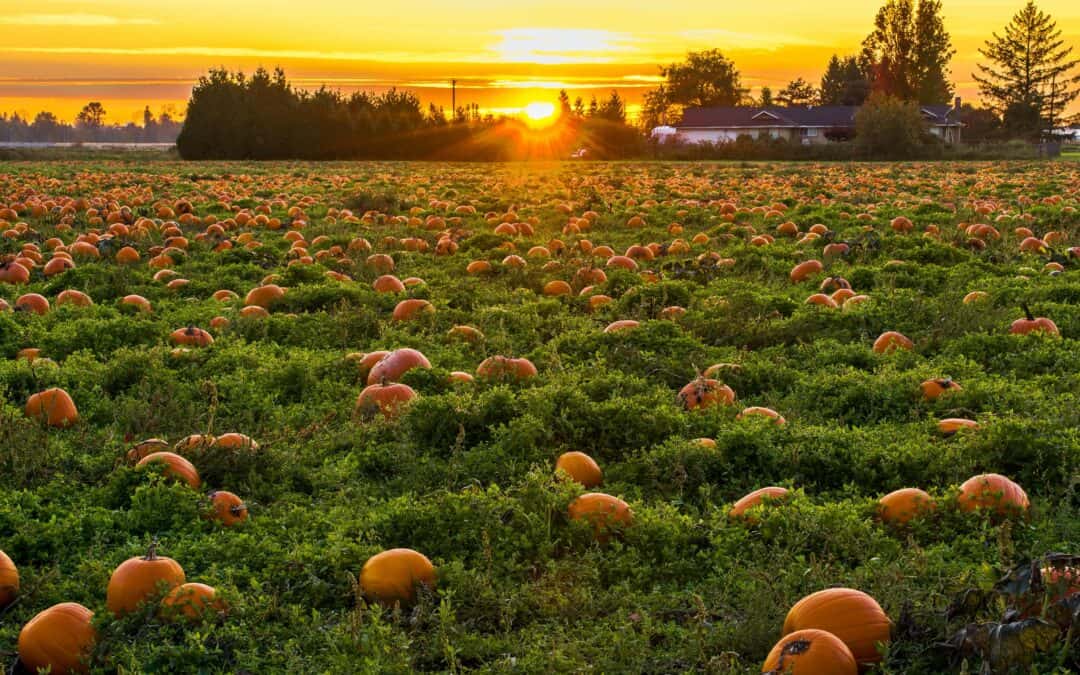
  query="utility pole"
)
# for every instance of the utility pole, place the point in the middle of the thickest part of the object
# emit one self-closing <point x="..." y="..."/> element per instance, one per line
<point x="453" y="99"/>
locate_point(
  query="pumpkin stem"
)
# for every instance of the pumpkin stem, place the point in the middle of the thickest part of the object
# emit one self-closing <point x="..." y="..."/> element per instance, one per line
<point x="1027" y="311"/>
<point x="238" y="509"/>
<point x="151" y="553"/>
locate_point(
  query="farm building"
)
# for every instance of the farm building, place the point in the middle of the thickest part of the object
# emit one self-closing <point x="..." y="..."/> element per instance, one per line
<point x="797" y="124"/>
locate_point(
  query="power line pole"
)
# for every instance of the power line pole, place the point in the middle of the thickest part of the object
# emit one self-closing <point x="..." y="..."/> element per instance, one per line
<point x="453" y="99"/>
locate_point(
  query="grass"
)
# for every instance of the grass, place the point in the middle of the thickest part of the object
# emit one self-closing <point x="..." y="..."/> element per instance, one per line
<point x="465" y="474"/>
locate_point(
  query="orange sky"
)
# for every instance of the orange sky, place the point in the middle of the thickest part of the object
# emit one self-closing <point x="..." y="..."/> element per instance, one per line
<point x="57" y="54"/>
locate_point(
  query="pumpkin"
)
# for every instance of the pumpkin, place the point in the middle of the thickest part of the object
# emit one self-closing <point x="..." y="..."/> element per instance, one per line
<point x="395" y="364"/>
<point x="174" y="466"/>
<point x="891" y="341"/>
<point x="35" y="303"/>
<point x="994" y="492"/>
<point x="392" y="576"/>
<point x="602" y="511"/>
<point x="467" y="333"/>
<point x="388" y="399"/>
<point x="191" y="336"/>
<point x="833" y="284"/>
<point x="12" y="272"/>
<point x="1031" y="324"/>
<point x="557" y="288"/>
<point x="822" y="300"/>
<point x="760" y="497"/>
<point x="758" y="411"/>
<point x="234" y="441"/>
<point x="851" y="615"/>
<point x="413" y="308"/>
<point x="951" y="425"/>
<point x="144" y="448"/>
<point x="704" y="393"/>
<point x="9" y="581"/>
<point x="136" y="301"/>
<point x="58" y="639"/>
<point x="504" y="368"/>
<point x="31" y="354"/>
<point x="901" y="506"/>
<point x="228" y="508"/>
<point x="624" y="324"/>
<point x="388" y="283"/>
<point x="805" y="270"/>
<point x="73" y="297"/>
<point x="460" y="377"/>
<point x="194" y="442"/>
<point x="580" y="468"/>
<point x="191" y="600"/>
<point x="53" y="407"/>
<point x="264" y="296"/>
<point x="137" y="580"/>
<point x="934" y="389"/>
<point x="810" y="652"/>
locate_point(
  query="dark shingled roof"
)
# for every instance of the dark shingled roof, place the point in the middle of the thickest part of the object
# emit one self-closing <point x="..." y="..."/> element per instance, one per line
<point x="799" y="116"/>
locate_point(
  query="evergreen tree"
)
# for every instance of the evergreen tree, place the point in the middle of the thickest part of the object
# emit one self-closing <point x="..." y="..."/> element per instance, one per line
<point x="908" y="52"/>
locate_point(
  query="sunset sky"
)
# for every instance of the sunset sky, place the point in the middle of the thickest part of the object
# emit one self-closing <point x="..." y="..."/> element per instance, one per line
<point x="58" y="55"/>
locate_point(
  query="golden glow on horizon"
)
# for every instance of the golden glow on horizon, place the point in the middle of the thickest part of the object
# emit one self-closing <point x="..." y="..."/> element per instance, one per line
<point x="59" y="54"/>
<point x="537" y="113"/>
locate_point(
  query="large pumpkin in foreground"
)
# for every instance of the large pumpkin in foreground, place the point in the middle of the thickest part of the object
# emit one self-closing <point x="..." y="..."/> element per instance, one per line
<point x="139" y="579"/>
<point x="392" y="576"/>
<point x="851" y="615"/>
<point x="810" y="652"/>
<point x="59" y="638"/>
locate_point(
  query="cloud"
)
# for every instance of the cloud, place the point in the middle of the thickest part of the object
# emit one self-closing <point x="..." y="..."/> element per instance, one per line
<point x="94" y="20"/>
<point x="551" y="46"/>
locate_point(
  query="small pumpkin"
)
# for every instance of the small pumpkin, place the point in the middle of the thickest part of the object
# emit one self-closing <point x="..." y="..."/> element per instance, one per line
<point x="851" y="615"/>
<point x="413" y="308"/>
<point x="934" y="389"/>
<point x="388" y="399"/>
<point x="580" y="468"/>
<point x="704" y="393"/>
<point x="1032" y="324"/>
<point x="760" y="497"/>
<point x="890" y="341"/>
<point x="59" y="639"/>
<point x="810" y="652"/>
<point x="805" y="270"/>
<point x="758" y="411"/>
<point x="993" y="492"/>
<point x="192" y="337"/>
<point x="54" y="407"/>
<point x="137" y="580"/>
<point x="904" y="505"/>
<point x="504" y="368"/>
<point x="229" y="509"/>
<point x="264" y="296"/>
<point x="602" y="511"/>
<point x="9" y="580"/>
<point x="174" y="466"/>
<point x="392" y="576"/>
<point x="952" y="425"/>
<point x="395" y="364"/>
<point x="191" y="600"/>
<point x="34" y="303"/>
<point x="147" y="447"/>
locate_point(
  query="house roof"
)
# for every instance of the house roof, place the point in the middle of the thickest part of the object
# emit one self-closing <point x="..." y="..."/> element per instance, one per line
<point x="840" y="116"/>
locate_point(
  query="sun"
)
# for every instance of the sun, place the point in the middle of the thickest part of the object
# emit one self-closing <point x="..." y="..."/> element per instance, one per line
<point x="539" y="112"/>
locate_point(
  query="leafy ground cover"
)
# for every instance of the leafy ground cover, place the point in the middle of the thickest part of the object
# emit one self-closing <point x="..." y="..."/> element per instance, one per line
<point x="465" y="472"/>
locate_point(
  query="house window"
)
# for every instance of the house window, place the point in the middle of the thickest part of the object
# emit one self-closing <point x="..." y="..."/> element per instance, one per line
<point x="808" y="133"/>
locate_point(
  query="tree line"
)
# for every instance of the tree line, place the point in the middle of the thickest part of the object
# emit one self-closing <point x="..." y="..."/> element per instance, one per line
<point x="1027" y="81"/>
<point x="89" y="127"/>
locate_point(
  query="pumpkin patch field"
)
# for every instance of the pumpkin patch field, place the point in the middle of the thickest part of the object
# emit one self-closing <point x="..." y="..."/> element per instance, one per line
<point x="611" y="418"/>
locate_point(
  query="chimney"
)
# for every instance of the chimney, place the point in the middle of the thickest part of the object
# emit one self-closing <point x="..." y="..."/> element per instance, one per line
<point x="956" y="105"/>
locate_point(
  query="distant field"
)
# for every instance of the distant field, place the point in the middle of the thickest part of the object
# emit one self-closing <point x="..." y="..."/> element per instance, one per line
<point x="539" y="262"/>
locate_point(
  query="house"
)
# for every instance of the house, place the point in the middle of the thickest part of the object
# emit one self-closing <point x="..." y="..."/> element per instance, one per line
<point x="797" y="124"/>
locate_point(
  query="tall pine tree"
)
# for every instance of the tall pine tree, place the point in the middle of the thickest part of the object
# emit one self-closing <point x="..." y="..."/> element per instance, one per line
<point x="907" y="54"/>
<point x="1029" y="80"/>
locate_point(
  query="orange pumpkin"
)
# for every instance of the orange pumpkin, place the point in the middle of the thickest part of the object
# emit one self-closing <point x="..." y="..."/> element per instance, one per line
<point x="810" y="652"/>
<point x="234" y="441"/>
<point x="9" y="581"/>
<point x="137" y="580"/>
<point x="192" y="600"/>
<point x="137" y="301"/>
<point x="228" y="508"/>
<point x="504" y="368"/>
<point x="191" y="336"/>
<point x="951" y="425"/>
<point x="73" y="297"/>
<point x="891" y="341"/>
<point x="580" y="468"/>
<point x="851" y="615"/>
<point x="758" y="411"/>
<point x="395" y="364"/>
<point x="388" y="283"/>
<point x="933" y="389"/>
<point x="174" y="466"/>
<point x="603" y="511"/>
<point x="624" y="324"/>
<point x="1031" y="324"/>
<point x="58" y="639"/>
<point x="805" y="270"/>
<point x="388" y="399"/>
<point x="144" y="448"/>
<point x="264" y="296"/>
<point x="392" y="576"/>
<point x="994" y="492"/>
<point x="413" y="308"/>
<point x="762" y="496"/>
<point x="35" y="303"/>
<point x="54" y="407"/>
<point x="704" y="393"/>
<point x="901" y="506"/>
